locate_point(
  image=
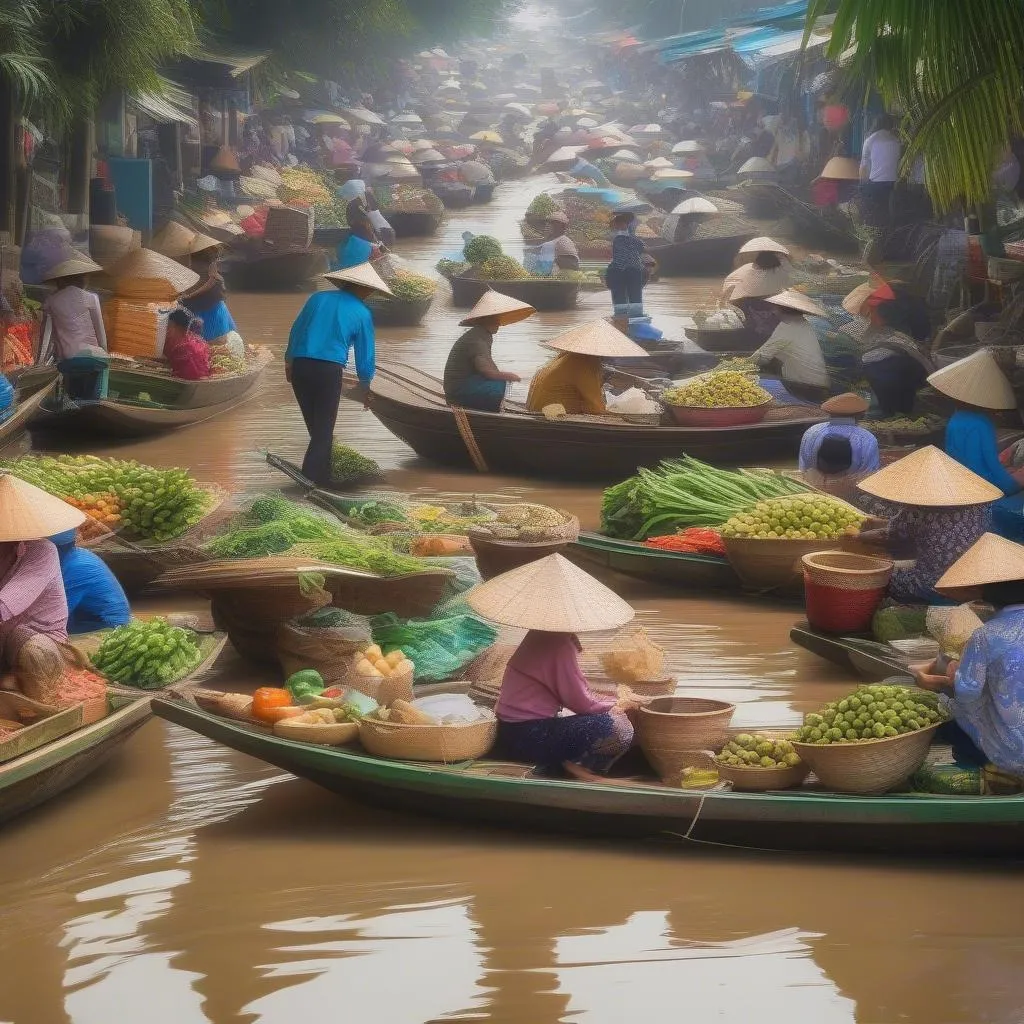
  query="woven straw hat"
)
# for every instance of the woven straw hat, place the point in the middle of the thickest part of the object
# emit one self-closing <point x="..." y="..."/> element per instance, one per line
<point x="658" y="162"/>
<point x="791" y="299"/>
<point x="671" y="174"/>
<point x="597" y="338"/>
<point x="975" y="380"/>
<point x="929" y="477"/>
<point x="173" y="240"/>
<point x="854" y="302"/>
<point x="990" y="559"/>
<point x="688" y="146"/>
<point x="757" y="165"/>
<point x="427" y="156"/>
<point x="110" y="242"/>
<point x="551" y="595"/>
<point x="750" y="282"/>
<point x="503" y="307"/>
<point x="846" y="404"/>
<point x="763" y="244"/>
<point x="841" y="168"/>
<point x="29" y="513"/>
<point x="201" y="242"/>
<point x="73" y="266"/>
<point x="695" y="204"/>
<point x="144" y="263"/>
<point x="361" y="274"/>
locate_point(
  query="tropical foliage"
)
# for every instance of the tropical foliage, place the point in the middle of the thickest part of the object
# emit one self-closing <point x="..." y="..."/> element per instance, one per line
<point x="953" y="68"/>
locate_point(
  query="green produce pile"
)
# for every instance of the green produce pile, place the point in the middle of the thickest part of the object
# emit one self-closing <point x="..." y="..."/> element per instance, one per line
<point x="451" y="268"/>
<point x="373" y="513"/>
<point x="523" y="521"/>
<point x="686" y="492"/>
<point x="153" y="504"/>
<point x="481" y="248"/>
<point x="905" y="425"/>
<point x="358" y="551"/>
<point x="872" y="712"/>
<point x="502" y="268"/>
<point x="347" y="465"/>
<point x="899" y="622"/>
<point x="726" y="390"/>
<point x="148" y="654"/>
<point x="542" y="206"/>
<point x="757" y="751"/>
<point x="796" y="517"/>
<point x="222" y="364"/>
<point x="410" y="287"/>
<point x="407" y="199"/>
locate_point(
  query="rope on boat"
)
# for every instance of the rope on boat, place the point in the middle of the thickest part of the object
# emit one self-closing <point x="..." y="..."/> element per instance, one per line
<point x="466" y="433"/>
<point x="689" y="837"/>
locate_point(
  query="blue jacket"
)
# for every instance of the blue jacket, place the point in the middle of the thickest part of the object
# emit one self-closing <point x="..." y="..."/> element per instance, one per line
<point x="95" y="598"/>
<point x="328" y="326"/>
<point x="971" y="440"/>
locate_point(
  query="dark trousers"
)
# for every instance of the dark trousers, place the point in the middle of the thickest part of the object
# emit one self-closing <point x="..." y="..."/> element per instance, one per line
<point x="626" y="285"/>
<point x="876" y="199"/>
<point x="317" y="387"/>
<point x="895" y="382"/>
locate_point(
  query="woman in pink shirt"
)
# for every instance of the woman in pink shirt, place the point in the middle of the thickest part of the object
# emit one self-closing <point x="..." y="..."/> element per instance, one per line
<point x="554" y="600"/>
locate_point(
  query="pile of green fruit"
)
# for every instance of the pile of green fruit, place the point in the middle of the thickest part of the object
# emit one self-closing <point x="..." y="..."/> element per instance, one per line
<point x="905" y="425"/>
<point x="726" y="390"/>
<point x="481" y="248"/>
<point x="148" y="654"/>
<point x="154" y="504"/>
<point x="348" y="465"/>
<point x="223" y="364"/>
<point x="874" y="712"/>
<point x="758" y="751"/>
<point x="451" y="268"/>
<point x="409" y="287"/>
<point x="811" y="516"/>
<point x="502" y="268"/>
<point x="541" y="207"/>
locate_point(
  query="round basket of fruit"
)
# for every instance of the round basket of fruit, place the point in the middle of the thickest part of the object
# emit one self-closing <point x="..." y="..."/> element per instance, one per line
<point x="726" y="399"/>
<point x="756" y="762"/>
<point x="520" y="533"/>
<point x="412" y="296"/>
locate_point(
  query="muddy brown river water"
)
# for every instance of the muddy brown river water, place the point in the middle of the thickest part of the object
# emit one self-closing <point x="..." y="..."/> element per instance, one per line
<point x="186" y="883"/>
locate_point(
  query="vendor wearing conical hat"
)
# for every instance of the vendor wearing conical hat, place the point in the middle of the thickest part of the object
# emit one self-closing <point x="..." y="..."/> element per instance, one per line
<point x="764" y="270"/>
<point x="987" y="685"/>
<point x="836" y="455"/>
<point x="554" y="601"/>
<point x="207" y="300"/>
<point x="795" y="348"/>
<point x="472" y="379"/>
<point x="936" y="509"/>
<point x="330" y="325"/>
<point x="574" y="379"/>
<point x="33" y="609"/>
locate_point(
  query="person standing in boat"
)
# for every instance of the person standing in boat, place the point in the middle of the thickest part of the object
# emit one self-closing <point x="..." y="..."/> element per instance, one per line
<point x="795" y="348"/>
<point x="207" y="299"/>
<point x="934" y="509"/>
<point x="95" y="598"/>
<point x="628" y="270"/>
<point x="331" y="325"/>
<point x="472" y="379"/>
<point x="554" y="601"/>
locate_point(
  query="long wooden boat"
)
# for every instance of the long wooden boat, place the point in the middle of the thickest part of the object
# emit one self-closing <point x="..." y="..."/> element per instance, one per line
<point x="541" y="294"/>
<point x="413" y="225"/>
<point x="411" y="405"/>
<point x="507" y="795"/>
<point x="128" y="382"/>
<point x="35" y="777"/>
<point x="703" y="257"/>
<point x="454" y="197"/>
<point x="866" y="658"/>
<point x="274" y="271"/>
<point x="29" y="396"/>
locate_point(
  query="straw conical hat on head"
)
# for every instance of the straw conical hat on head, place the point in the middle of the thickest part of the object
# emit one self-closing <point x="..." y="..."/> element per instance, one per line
<point x="750" y="282"/>
<point x="846" y="404"/>
<point x="597" y="338"/>
<point x="798" y="302"/>
<point x="29" y="513"/>
<point x="975" y="380"/>
<point x="551" y="595"/>
<point x="361" y="274"/>
<point x="929" y="477"/>
<point x="173" y="240"/>
<point x="495" y="305"/>
<point x="990" y="559"/>
<point x="144" y="263"/>
<point x="854" y="301"/>
<point x="841" y="168"/>
<point x="763" y="244"/>
<point x="757" y="165"/>
<point x="201" y="242"/>
<point x="73" y="266"/>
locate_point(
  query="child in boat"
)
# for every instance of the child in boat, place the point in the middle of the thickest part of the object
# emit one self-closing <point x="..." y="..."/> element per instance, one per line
<point x="554" y="601"/>
<point x="184" y="348"/>
<point x="94" y="597"/>
<point x="472" y="380"/>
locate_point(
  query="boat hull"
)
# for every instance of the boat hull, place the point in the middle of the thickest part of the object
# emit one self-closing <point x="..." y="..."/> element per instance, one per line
<point x="544" y="295"/>
<point x="413" y="225"/>
<point x="284" y="271"/>
<point x="865" y="658"/>
<point x="30" y="397"/>
<point x="704" y="257"/>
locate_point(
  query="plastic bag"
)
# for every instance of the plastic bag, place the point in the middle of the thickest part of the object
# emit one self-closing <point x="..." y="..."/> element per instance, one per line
<point x="634" y="659"/>
<point x="439" y="648"/>
<point x="331" y="650"/>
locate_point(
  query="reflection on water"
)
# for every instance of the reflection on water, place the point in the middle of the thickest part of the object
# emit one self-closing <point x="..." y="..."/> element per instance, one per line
<point x="185" y="883"/>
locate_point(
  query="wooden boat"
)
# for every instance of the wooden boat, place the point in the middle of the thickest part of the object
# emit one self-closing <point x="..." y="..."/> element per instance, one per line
<point x="866" y="658"/>
<point x="412" y="406"/>
<point x="454" y="196"/>
<point x="268" y="271"/>
<point x="129" y="381"/>
<point x="703" y="256"/>
<point x="825" y="228"/>
<point x="413" y="225"/>
<point x="509" y="795"/>
<point x="35" y="777"/>
<point x="728" y="341"/>
<point x="538" y="292"/>
<point x="30" y="394"/>
<point x="398" y="312"/>
<point x="484" y="192"/>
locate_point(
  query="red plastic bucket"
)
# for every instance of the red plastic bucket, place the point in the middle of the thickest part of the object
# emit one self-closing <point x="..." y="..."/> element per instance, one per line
<point x="836" y="610"/>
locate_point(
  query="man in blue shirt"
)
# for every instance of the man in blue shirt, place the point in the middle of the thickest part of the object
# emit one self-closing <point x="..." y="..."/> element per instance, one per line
<point x="330" y="324"/>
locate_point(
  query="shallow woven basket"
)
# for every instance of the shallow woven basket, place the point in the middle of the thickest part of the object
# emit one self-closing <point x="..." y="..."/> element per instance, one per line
<point x="844" y="570"/>
<point x="493" y="556"/>
<point x="699" y="416"/>
<point x="445" y="743"/>
<point x="870" y="766"/>
<point x="670" y="728"/>
<point x="766" y="564"/>
<point x="665" y="687"/>
<point x="760" y="780"/>
<point x="384" y="690"/>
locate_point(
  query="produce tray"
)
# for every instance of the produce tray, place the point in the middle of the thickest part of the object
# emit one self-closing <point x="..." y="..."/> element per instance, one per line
<point x="210" y="646"/>
<point x="53" y="723"/>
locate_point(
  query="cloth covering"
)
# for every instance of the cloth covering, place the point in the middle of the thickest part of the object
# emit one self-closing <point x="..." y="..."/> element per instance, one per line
<point x="31" y="596"/>
<point x="353" y="251"/>
<point x="95" y="599"/>
<point x="6" y="396"/>
<point x="863" y="444"/>
<point x="331" y="325"/>
<point x="571" y="380"/>
<point x="469" y="359"/>
<point x="187" y="353"/>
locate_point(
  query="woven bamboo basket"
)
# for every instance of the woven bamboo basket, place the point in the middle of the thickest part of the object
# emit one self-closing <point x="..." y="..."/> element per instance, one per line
<point x="664" y="687"/>
<point x="761" y="780"/>
<point x="670" y="728"/>
<point x="771" y="564"/>
<point x="384" y="689"/>
<point x="845" y="570"/>
<point x="331" y="735"/>
<point x="448" y="744"/>
<point x="869" y="766"/>
<point x="495" y="555"/>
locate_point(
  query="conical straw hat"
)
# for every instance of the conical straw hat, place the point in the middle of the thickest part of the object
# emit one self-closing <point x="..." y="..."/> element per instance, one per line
<point x="29" y="513"/>
<point x="799" y="302"/>
<point x="750" y="282"/>
<point x="110" y="242"/>
<point x="854" y="302"/>
<point x="763" y="244"/>
<point x="361" y="274"/>
<point x="694" y="205"/>
<point x="975" y="380"/>
<point x="551" y="595"/>
<point x="931" y="478"/>
<point x="495" y="304"/>
<point x="173" y="240"/>
<point x="671" y="174"/>
<point x="688" y="146"/>
<point x="846" y="404"/>
<point x="658" y="161"/>
<point x="757" y="165"/>
<point x="597" y="338"/>
<point x="73" y="266"/>
<point x="201" y="242"/>
<point x="144" y="263"/>
<point x="841" y="168"/>
<point x="990" y="559"/>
